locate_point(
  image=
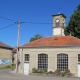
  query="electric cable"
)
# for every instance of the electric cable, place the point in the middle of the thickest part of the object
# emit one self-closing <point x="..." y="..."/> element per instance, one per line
<point x="7" y="18"/>
<point x="6" y="26"/>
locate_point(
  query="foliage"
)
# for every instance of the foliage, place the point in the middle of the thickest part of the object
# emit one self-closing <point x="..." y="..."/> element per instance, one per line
<point x="8" y="66"/>
<point x="69" y="74"/>
<point x="5" y="67"/>
<point x="73" y="27"/>
<point x="63" y="74"/>
<point x="13" y="66"/>
<point x="34" y="70"/>
<point x="57" y="72"/>
<point x="67" y="71"/>
<point x="45" y="70"/>
<point x="37" y="36"/>
<point x="40" y="71"/>
<point x="50" y="72"/>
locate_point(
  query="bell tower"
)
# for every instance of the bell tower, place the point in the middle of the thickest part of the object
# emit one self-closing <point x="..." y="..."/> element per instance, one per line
<point x="58" y="24"/>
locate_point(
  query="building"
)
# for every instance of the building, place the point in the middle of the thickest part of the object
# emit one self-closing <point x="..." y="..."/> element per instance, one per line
<point x="5" y="54"/>
<point x="57" y="51"/>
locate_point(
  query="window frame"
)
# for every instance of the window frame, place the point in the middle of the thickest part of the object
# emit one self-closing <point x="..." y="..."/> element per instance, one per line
<point x="78" y="57"/>
<point x="26" y="58"/>
<point x="63" y="23"/>
<point x="42" y="61"/>
<point x="57" y="23"/>
<point x="62" y="61"/>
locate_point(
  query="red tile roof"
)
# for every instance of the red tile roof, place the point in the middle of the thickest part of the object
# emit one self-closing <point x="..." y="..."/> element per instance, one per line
<point x="54" y="41"/>
<point x="4" y="45"/>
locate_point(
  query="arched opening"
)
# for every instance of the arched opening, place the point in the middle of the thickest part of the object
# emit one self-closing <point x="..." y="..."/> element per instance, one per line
<point x="57" y="22"/>
<point x="63" y="23"/>
<point x="62" y="62"/>
<point x="42" y="61"/>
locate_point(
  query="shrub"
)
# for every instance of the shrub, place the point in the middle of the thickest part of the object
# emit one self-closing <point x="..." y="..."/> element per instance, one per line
<point x="69" y="74"/>
<point x="50" y="72"/>
<point x="67" y="71"/>
<point x="34" y="70"/>
<point x="13" y="66"/>
<point x="57" y="72"/>
<point x="63" y="74"/>
<point x="45" y="70"/>
<point x="40" y="71"/>
<point x="8" y="66"/>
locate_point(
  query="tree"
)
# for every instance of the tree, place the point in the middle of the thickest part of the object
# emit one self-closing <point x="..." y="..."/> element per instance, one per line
<point x="73" y="27"/>
<point x="37" y="36"/>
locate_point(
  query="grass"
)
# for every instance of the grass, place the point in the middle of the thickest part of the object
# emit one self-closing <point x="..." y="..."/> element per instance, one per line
<point x="3" y="67"/>
<point x="8" y="67"/>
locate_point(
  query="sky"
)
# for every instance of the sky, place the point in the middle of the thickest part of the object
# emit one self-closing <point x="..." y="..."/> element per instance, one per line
<point x="35" y="11"/>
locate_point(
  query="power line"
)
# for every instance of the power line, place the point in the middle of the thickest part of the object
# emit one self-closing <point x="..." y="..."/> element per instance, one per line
<point x="28" y="22"/>
<point x="42" y="23"/>
<point x="7" y="18"/>
<point x="6" y="26"/>
<point x="36" y="23"/>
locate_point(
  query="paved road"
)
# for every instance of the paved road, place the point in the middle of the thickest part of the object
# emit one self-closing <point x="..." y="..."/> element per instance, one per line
<point x="7" y="75"/>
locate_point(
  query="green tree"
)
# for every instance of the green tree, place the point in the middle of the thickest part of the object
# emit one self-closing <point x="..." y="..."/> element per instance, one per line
<point x="37" y="36"/>
<point x="73" y="27"/>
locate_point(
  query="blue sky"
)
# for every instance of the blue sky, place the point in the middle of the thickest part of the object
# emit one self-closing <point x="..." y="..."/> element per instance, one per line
<point x="37" y="11"/>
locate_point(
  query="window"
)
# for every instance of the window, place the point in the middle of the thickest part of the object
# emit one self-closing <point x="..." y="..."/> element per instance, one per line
<point x="26" y="58"/>
<point x="57" y="22"/>
<point x="42" y="61"/>
<point x="62" y="62"/>
<point x="63" y="22"/>
<point x="78" y="57"/>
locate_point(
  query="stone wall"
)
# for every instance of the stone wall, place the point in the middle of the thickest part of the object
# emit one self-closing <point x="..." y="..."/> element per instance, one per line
<point x="5" y="56"/>
<point x="52" y="57"/>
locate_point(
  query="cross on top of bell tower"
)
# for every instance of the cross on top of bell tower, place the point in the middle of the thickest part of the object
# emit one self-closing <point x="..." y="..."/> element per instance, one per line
<point x="59" y="11"/>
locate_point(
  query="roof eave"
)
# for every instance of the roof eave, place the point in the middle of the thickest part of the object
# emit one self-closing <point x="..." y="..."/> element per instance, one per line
<point x="61" y="46"/>
<point x="6" y="47"/>
<point x="60" y="14"/>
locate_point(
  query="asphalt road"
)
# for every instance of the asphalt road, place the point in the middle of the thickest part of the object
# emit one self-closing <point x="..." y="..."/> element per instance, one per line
<point x="8" y="75"/>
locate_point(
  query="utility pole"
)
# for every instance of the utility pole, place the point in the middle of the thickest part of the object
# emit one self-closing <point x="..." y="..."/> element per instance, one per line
<point x="18" y="44"/>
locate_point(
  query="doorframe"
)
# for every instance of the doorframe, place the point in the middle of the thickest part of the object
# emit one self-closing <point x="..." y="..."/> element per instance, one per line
<point x="78" y="69"/>
<point x="26" y="62"/>
<point x="28" y="67"/>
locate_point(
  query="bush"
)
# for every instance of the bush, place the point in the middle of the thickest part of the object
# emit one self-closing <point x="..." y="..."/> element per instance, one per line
<point x="50" y="72"/>
<point x="63" y="74"/>
<point x="40" y="71"/>
<point x="57" y="72"/>
<point x="8" y="66"/>
<point x="34" y="70"/>
<point x="69" y="74"/>
<point x="45" y="70"/>
<point x="67" y="71"/>
<point x="13" y="66"/>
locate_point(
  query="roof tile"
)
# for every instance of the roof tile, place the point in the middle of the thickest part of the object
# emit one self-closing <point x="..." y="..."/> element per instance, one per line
<point x="4" y="45"/>
<point x="54" y="41"/>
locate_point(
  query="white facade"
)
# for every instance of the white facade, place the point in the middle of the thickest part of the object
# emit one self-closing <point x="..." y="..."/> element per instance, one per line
<point x="58" y="31"/>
